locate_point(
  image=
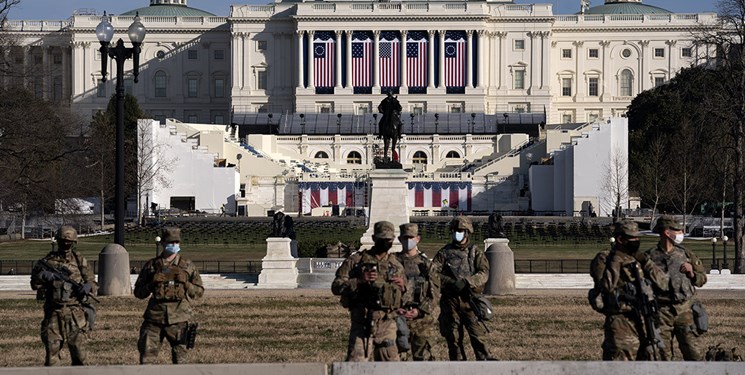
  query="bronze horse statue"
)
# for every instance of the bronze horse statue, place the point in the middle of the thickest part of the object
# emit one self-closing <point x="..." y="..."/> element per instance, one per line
<point x="390" y="124"/>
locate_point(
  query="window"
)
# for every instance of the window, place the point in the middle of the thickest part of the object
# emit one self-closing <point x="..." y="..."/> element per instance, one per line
<point x="321" y="155"/>
<point x="659" y="81"/>
<point x="218" y="119"/>
<point x="129" y="86"/>
<point x="659" y="52"/>
<point x="160" y="54"/>
<point x="593" y="116"/>
<point x="193" y="87"/>
<point x="686" y="52"/>
<point x="419" y="158"/>
<point x="627" y="79"/>
<point x="626" y="53"/>
<point x="519" y="79"/>
<point x="101" y="89"/>
<point x="519" y="44"/>
<point x="452" y="155"/>
<point x="57" y="89"/>
<point x="192" y="118"/>
<point x="219" y="88"/>
<point x="219" y="54"/>
<point x="261" y="45"/>
<point x="57" y="59"/>
<point x="354" y="157"/>
<point x="520" y="107"/>
<point x="261" y="80"/>
<point x="566" y="87"/>
<point x="593" y="86"/>
<point x="566" y="118"/>
<point x="566" y="53"/>
<point x="192" y="54"/>
<point x="593" y="53"/>
<point x="160" y="84"/>
<point x="39" y="88"/>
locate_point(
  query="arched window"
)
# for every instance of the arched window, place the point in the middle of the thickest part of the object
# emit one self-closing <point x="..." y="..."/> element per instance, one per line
<point x="627" y="82"/>
<point x="419" y="158"/>
<point x="160" y="84"/>
<point x="452" y="155"/>
<point x="321" y="155"/>
<point x="354" y="157"/>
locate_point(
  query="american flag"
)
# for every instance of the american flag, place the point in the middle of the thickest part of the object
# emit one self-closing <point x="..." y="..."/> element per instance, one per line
<point x="390" y="53"/>
<point x="361" y="60"/>
<point x="323" y="60"/>
<point x="416" y="59"/>
<point x="455" y="59"/>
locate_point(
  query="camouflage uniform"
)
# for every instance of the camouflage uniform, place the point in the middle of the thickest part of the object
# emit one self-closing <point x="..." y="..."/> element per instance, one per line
<point x="677" y="298"/>
<point x="372" y="305"/>
<point x="461" y="265"/>
<point x="66" y="313"/>
<point x="622" y="323"/>
<point x="172" y="285"/>
<point x="423" y="288"/>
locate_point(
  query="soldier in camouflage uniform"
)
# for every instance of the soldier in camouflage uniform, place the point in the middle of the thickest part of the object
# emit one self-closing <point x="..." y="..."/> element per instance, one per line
<point x="423" y="288"/>
<point x="66" y="311"/>
<point x="676" y="299"/>
<point x="622" y="324"/>
<point x="371" y="285"/>
<point x="461" y="266"/>
<point x="172" y="282"/>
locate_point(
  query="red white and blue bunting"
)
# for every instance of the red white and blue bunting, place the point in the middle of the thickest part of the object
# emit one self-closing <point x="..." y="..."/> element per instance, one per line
<point x="324" y="194"/>
<point x="454" y="195"/>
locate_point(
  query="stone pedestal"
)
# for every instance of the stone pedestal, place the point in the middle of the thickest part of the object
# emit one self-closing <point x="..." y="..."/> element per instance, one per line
<point x="278" y="267"/>
<point x="501" y="267"/>
<point x="725" y="271"/>
<point x="388" y="201"/>
<point x="113" y="271"/>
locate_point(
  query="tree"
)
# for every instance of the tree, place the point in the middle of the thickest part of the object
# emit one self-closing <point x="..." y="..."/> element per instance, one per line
<point x="152" y="159"/>
<point x="616" y="182"/>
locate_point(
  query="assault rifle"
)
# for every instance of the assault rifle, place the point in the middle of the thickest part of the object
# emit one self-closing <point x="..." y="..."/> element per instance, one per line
<point x="190" y="335"/>
<point x="645" y="306"/>
<point x="64" y="275"/>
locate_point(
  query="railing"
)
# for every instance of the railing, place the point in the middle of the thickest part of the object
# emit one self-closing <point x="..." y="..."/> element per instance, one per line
<point x="515" y="150"/>
<point x="658" y="18"/>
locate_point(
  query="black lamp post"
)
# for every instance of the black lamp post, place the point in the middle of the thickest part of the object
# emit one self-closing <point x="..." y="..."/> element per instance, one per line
<point x="338" y="123"/>
<point x="473" y="121"/>
<point x="104" y="32"/>
<point x="302" y="123"/>
<point x="725" y="265"/>
<point x="714" y="263"/>
<point x="437" y="122"/>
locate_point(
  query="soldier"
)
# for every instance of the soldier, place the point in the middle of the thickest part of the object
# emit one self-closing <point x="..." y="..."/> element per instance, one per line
<point x="463" y="269"/>
<point x="371" y="286"/>
<point x="64" y="280"/>
<point x="677" y="299"/>
<point x="172" y="282"/>
<point x="423" y="288"/>
<point x="622" y="323"/>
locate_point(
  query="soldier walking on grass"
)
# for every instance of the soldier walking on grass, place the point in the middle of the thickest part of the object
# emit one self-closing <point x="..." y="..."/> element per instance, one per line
<point x="423" y="289"/>
<point x="678" y="306"/>
<point x="172" y="282"/>
<point x="65" y="281"/>
<point x="371" y="285"/>
<point x="463" y="270"/>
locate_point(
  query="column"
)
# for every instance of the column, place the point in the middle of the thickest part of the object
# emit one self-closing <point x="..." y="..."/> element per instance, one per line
<point x="337" y="67"/>
<point x="299" y="41"/>
<point x="546" y="60"/>
<point x="66" y="94"/>
<point x="245" y="45"/>
<point x="442" y="58"/>
<point x="502" y="41"/>
<point x="311" y="83"/>
<point x="604" y="74"/>
<point x="580" y="67"/>
<point x="25" y="52"/>
<point x="402" y="63"/>
<point x="483" y="50"/>
<point x="672" y="58"/>
<point x="236" y="61"/>
<point x="47" y="70"/>
<point x="469" y="58"/>
<point x="534" y="63"/>
<point x="642" y="68"/>
<point x="349" y="58"/>
<point x="274" y="69"/>
<point x="431" y="60"/>
<point x="376" y="62"/>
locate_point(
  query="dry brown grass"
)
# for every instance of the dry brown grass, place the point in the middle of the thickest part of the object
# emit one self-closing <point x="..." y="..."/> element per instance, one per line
<point x="310" y="326"/>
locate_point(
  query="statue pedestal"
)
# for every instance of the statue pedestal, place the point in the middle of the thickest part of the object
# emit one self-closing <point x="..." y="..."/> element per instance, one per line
<point x="501" y="267"/>
<point x="278" y="267"/>
<point x="388" y="201"/>
<point x="113" y="271"/>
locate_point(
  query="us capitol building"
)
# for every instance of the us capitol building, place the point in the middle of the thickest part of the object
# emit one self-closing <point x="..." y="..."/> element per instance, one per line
<point x="480" y="83"/>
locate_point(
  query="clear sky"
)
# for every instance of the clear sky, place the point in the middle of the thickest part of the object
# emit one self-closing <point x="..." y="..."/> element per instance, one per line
<point x="63" y="9"/>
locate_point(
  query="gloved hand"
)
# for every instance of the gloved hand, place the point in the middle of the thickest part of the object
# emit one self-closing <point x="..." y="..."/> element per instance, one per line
<point x="86" y="288"/>
<point x="47" y="276"/>
<point x="460" y="285"/>
<point x="640" y="256"/>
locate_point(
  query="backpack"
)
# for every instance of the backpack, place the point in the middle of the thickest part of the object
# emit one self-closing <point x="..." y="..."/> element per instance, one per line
<point x="480" y="305"/>
<point x="597" y="268"/>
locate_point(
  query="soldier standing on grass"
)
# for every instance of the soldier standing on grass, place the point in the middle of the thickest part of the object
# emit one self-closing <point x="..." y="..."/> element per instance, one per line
<point x="423" y="288"/>
<point x="65" y="288"/>
<point x="678" y="305"/>
<point x="371" y="285"/>
<point x="463" y="269"/>
<point x="172" y="282"/>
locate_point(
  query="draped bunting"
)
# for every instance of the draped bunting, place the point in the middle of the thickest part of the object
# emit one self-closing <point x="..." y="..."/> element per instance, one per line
<point x="455" y="195"/>
<point x="320" y="194"/>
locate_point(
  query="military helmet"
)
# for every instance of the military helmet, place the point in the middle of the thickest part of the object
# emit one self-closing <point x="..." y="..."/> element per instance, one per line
<point x="461" y="223"/>
<point x="666" y="222"/>
<point x="626" y="227"/>
<point x="66" y="233"/>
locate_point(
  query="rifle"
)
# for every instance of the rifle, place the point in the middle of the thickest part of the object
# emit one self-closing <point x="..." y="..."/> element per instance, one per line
<point x="190" y="335"/>
<point x="64" y="275"/>
<point x="645" y="307"/>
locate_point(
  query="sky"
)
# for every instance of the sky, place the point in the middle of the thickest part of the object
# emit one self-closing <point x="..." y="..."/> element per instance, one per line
<point x="63" y="9"/>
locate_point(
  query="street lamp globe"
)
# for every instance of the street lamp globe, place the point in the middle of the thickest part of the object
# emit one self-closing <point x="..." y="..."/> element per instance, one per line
<point x="136" y="31"/>
<point x="104" y="30"/>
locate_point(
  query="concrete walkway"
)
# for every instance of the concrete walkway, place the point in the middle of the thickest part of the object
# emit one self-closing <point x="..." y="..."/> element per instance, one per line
<point x="523" y="281"/>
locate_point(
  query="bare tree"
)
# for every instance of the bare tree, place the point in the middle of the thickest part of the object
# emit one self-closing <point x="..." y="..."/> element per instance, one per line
<point x="153" y="158"/>
<point x="653" y="174"/>
<point x="616" y="181"/>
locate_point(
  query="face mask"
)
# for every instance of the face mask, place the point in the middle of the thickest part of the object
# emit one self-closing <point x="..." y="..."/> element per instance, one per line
<point x="633" y="246"/>
<point x="65" y="246"/>
<point x="678" y="238"/>
<point x="410" y="243"/>
<point x="459" y="236"/>
<point x="172" y="248"/>
<point x="383" y="245"/>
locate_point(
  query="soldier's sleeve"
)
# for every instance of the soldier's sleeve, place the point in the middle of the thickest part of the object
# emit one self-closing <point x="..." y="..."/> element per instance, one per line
<point x="36" y="281"/>
<point x="481" y="269"/>
<point x="195" y="287"/>
<point x="611" y="275"/>
<point x="431" y="299"/>
<point x="142" y="285"/>
<point x="439" y="268"/>
<point x="658" y="277"/>
<point x="698" y="269"/>
<point x="87" y="274"/>
<point x="343" y="284"/>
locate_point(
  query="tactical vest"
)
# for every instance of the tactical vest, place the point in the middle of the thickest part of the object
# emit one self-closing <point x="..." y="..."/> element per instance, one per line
<point x="382" y="294"/>
<point x="62" y="292"/>
<point x="458" y="262"/>
<point x="417" y="278"/>
<point x="681" y="288"/>
<point x="170" y="289"/>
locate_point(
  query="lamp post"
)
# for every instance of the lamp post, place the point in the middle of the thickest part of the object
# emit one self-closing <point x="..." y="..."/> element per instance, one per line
<point x="714" y="263"/>
<point x="157" y="241"/>
<point x="725" y="265"/>
<point x="302" y="123"/>
<point x="104" y="32"/>
<point x="338" y="123"/>
<point x="473" y="121"/>
<point x="437" y="122"/>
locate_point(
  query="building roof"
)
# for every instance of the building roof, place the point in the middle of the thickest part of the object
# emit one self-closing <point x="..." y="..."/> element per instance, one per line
<point x="625" y="7"/>
<point x="168" y="10"/>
